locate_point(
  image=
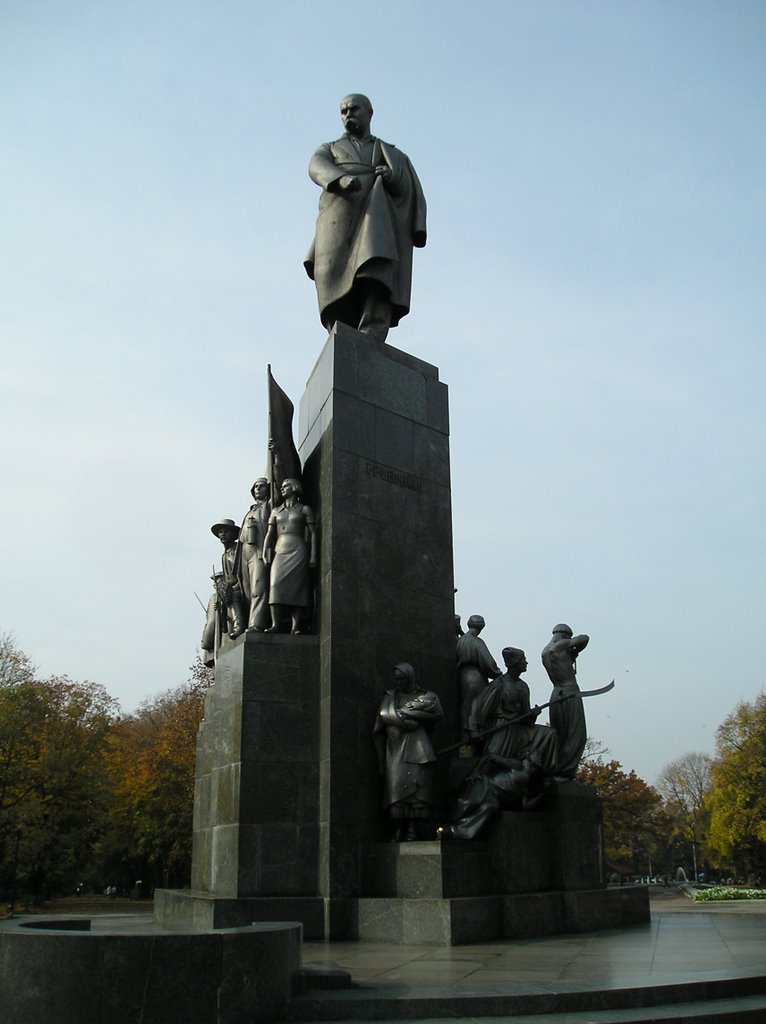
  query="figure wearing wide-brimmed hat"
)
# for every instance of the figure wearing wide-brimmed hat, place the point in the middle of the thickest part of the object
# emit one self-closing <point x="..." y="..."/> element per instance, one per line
<point x="227" y="531"/>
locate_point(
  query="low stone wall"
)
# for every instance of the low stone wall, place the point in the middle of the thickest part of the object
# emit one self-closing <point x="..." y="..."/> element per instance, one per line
<point x="53" y="975"/>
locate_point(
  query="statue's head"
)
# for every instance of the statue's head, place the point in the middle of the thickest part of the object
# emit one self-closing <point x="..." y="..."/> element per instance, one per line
<point x="563" y="630"/>
<point x="226" y="530"/>
<point x="356" y="114"/>
<point x="260" y="489"/>
<point x="477" y="622"/>
<point x="404" y="675"/>
<point x="291" y="486"/>
<point x="515" y="660"/>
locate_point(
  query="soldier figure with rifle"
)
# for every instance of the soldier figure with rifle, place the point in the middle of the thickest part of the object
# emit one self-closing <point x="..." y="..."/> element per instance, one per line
<point x="230" y="600"/>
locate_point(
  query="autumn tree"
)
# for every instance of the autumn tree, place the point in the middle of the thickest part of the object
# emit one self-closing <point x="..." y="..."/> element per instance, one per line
<point x="737" y="799"/>
<point x="151" y="759"/>
<point x="633" y="817"/>
<point x="52" y="735"/>
<point x="684" y="785"/>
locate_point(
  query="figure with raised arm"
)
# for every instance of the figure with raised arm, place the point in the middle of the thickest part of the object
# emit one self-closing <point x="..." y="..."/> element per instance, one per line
<point x="559" y="658"/>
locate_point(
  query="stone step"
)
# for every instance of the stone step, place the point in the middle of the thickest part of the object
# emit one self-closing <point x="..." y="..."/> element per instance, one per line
<point x="718" y="1011"/>
<point x="740" y="999"/>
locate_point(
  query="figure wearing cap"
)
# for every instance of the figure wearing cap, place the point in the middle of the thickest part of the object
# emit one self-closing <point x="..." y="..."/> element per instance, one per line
<point x="475" y="667"/>
<point x="252" y="571"/>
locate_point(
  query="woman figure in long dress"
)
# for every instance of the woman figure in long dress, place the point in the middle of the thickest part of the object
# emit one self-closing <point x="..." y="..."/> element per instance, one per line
<point x="406" y="758"/>
<point x="290" y="548"/>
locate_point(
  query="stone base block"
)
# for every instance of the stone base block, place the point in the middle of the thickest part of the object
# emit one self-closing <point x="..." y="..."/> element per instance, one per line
<point x="529" y="915"/>
<point x="606" y="908"/>
<point x="554" y="848"/>
<point x="429" y="870"/>
<point x="450" y="922"/>
<point x="456" y="922"/>
<point x="181" y="910"/>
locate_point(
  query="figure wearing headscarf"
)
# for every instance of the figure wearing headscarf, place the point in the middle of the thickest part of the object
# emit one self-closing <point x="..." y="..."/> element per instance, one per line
<point x="402" y="737"/>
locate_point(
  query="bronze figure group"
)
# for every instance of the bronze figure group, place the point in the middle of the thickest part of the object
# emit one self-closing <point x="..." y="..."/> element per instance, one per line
<point x="265" y="582"/>
<point x="514" y="758"/>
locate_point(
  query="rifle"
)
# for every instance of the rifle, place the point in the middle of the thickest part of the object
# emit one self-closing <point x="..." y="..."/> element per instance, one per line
<point x="526" y="714"/>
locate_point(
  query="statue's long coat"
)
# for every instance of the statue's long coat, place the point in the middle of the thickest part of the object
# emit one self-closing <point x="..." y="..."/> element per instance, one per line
<point x="406" y="757"/>
<point x="367" y="233"/>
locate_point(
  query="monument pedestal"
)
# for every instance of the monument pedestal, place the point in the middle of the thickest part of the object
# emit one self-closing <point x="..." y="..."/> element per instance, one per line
<point x="256" y="803"/>
<point x="288" y="793"/>
<point x="288" y="817"/>
<point x="537" y="873"/>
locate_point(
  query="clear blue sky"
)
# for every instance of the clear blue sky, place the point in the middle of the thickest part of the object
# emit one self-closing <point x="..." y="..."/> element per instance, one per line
<point x="592" y="291"/>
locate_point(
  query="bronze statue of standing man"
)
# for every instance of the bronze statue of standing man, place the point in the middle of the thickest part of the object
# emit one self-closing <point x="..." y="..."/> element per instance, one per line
<point x="371" y="213"/>
<point x="252" y="570"/>
<point x="475" y="667"/>
<point x="568" y="718"/>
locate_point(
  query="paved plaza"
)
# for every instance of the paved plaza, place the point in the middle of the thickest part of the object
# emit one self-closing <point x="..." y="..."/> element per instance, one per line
<point x="683" y="943"/>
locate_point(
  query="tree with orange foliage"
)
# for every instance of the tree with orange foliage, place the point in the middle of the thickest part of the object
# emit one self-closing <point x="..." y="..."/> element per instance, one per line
<point x="633" y="816"/>
<point x="150" y="764"/>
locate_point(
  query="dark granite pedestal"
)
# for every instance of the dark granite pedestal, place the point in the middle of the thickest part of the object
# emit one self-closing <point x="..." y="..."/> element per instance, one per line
<point x="288" y="793"/>
<point x="374" y="439"/>
<point x="537" y="873"/>
<point x="256" y="806"/>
